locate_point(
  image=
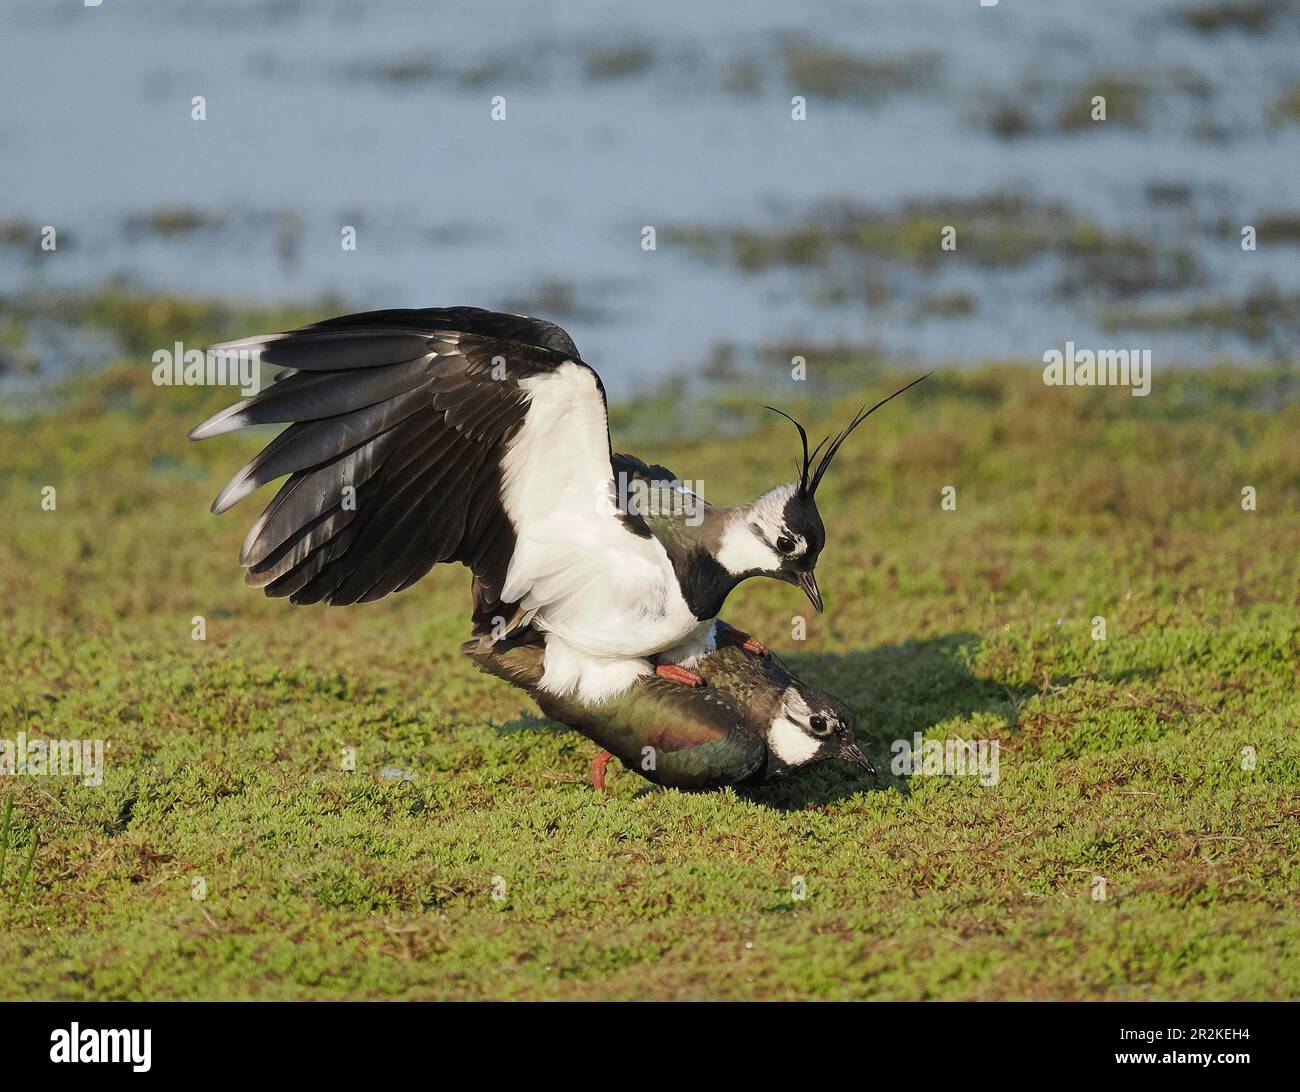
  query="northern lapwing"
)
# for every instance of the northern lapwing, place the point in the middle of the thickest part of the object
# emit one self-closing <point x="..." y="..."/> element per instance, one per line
<point x="753" y="722"/>
<point x="418" y="437"/>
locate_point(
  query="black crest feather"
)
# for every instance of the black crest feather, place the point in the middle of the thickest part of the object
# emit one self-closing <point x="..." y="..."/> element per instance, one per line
<point x="808" y="486"/>
<point x="806" y="462"/>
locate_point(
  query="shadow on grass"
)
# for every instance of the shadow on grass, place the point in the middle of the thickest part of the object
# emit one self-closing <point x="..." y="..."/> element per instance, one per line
<point x="896" y="691"/>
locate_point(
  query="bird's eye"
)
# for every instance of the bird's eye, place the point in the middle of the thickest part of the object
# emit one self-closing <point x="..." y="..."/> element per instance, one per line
<point x="785" y="544"/>
<point x="820" y="725"/>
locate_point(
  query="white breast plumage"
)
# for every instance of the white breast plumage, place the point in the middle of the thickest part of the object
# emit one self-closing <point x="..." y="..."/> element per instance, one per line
<point x="604" y="593"/>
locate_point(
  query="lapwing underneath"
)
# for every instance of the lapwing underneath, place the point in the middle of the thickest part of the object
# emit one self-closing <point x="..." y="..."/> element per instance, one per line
<point x="419" y="437"/>
<point x="753" y="722"/>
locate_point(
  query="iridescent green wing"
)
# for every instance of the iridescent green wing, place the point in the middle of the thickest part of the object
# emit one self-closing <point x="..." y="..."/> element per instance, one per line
<point x="674" y="735"/>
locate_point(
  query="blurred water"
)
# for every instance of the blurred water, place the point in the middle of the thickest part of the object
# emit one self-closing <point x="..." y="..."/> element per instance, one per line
<point x="452" y="207"/>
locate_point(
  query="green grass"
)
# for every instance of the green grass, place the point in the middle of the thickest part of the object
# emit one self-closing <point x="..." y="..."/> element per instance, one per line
<point x="1121" y="759"/>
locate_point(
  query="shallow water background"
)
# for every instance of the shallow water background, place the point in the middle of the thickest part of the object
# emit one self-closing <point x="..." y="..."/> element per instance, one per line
<point x="376" y="114"/>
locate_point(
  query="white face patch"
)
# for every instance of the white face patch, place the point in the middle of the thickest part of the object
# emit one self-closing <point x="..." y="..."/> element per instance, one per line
<point x="768" y="512"/>
<point x="789" y="739"/>
<point x="744" y="550"/>
<point x="790" y="743"/>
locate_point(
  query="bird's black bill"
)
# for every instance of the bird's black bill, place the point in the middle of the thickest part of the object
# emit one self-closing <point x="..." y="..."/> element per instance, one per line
<point x="808" y="581"/>
<point x="853" y="753"/>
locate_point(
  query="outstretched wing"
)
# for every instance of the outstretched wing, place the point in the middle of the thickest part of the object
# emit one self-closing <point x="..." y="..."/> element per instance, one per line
<point x="420" y="437"/>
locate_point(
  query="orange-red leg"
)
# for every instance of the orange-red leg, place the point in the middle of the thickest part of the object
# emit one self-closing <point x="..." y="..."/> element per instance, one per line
<point x="744" y="640"/>
<point x="678" y="675"/>
<point x="598" y="765"/>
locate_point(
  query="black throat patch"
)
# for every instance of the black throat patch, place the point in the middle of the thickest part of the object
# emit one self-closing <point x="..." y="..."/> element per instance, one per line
<point x="704" y="582"/>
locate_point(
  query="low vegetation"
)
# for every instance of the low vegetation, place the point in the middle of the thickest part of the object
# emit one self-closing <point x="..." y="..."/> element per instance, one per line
<point x="1141" y="840"/>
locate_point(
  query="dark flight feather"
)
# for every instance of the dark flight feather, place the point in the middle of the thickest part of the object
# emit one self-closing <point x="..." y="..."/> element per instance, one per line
<point x="313" y="443"/>
<point x="406" y="407"/>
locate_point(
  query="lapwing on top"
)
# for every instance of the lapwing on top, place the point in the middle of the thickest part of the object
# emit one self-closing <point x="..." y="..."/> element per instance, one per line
<point x="474" y="436"/>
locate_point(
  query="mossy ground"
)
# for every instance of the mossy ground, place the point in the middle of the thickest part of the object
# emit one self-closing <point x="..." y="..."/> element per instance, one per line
<point x="1121" y="759"/>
